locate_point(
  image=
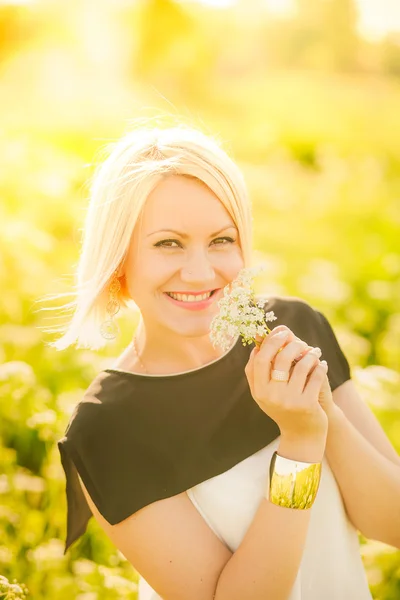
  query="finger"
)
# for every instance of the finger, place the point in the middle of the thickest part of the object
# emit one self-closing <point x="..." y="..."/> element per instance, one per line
<point x="292" y="337"/>
<point x="316" y="380"/>
<point x="309" y="350"/>
<point x="304" y="352"/>
<point x="301" y="371"/>
<point x="260" y="339"/>
<point x="283" y="361"/>
<point x="263" y="359"/>
<point x="312" y="368"/>
<point x="325" y="392"/>
<point x="288" y="354"/>
<point x="325" y="397"/>
<point x="279" y="328"/>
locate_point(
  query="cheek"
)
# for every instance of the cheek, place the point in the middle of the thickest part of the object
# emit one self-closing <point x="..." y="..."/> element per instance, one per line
<point x="148" y="272"/>
<point x="234" y="263"/>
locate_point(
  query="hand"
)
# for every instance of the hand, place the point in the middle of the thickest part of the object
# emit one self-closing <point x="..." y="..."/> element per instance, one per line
<point x="293" y="405"/>
<point x="325" y="398"/>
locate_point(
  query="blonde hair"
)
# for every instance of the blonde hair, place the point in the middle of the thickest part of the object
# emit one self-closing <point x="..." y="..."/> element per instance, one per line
<point x="120" y="187"/>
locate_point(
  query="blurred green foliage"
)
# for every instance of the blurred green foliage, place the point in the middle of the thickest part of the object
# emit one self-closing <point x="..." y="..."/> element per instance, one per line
<point x="312" y="119"/>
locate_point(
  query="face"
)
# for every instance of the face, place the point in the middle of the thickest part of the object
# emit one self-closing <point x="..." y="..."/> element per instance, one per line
<point x="185" y="243"/>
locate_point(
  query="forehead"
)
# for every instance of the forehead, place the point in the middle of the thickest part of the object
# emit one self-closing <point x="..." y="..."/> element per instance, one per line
<point x="183" y="203"/>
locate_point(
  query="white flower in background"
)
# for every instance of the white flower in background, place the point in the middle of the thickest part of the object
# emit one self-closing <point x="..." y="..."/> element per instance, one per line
<point x="13" y="591"/>
<point x="240" y="313"/>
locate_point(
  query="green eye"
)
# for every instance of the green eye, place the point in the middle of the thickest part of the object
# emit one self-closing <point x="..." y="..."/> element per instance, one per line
<point x="229" y="239"/>
<point x="162" y="243"/>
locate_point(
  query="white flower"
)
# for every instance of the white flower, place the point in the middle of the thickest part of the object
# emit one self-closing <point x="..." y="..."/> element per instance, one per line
<point x="240" y="313"/>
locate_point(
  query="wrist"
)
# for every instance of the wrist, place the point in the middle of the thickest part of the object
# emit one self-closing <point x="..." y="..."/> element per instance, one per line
<point x="293" y="483"/>
<point x="303" y="449"/>
<point x="335" y="418"/>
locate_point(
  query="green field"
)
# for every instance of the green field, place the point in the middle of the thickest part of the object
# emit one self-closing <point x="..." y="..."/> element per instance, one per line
<point x="321" y="156"/>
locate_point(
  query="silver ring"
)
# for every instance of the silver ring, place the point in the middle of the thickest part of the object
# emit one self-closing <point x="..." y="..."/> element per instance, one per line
<point x="279" y="375"/>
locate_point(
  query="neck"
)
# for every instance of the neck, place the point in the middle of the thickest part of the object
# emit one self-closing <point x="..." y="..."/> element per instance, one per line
<point x="162" y="355"/>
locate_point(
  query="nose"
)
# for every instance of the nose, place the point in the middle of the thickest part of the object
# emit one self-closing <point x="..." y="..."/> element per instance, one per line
<point x="198" y="270"/>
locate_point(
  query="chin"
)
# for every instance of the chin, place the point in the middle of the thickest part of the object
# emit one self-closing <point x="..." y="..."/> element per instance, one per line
<point x="198" y="327"/>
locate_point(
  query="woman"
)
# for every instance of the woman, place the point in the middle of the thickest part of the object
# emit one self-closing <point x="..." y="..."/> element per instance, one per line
<point x="219" y="475"/>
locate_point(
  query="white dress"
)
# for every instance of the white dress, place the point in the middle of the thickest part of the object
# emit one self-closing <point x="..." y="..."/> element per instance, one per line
<point x="331" y="567"/>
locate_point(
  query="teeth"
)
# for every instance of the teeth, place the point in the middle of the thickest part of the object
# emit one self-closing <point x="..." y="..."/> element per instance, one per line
<point x="189" y="298"/>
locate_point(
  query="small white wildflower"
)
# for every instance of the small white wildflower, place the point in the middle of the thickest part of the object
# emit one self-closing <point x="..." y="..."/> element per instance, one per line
<point x="240" y="313"/>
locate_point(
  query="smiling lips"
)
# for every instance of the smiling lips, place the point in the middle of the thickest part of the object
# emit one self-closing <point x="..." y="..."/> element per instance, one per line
<point x="192" y="293"/>
<point x="190" y="297"/>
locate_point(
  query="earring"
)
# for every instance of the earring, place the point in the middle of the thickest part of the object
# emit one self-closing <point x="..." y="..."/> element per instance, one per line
<point x="109" y="328"/>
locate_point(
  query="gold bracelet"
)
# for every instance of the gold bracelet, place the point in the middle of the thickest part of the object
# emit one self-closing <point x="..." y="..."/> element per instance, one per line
<point x="293" y="484"/>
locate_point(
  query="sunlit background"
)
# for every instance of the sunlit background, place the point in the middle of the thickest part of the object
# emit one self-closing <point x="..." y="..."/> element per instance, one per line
<point x="305" y="96"/>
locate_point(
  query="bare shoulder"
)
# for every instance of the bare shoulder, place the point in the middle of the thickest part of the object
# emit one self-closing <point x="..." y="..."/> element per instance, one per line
<point x="171" y="546"/>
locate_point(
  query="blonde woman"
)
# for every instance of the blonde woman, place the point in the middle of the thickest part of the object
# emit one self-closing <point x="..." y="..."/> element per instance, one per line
<point x="220" y="475"/>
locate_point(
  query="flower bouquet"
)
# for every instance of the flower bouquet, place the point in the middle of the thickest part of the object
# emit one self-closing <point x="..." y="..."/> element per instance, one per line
<point x="241" y="313"/>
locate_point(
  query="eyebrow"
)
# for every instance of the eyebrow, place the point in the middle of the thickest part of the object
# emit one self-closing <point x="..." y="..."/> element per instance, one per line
<point x="185" y="236"/>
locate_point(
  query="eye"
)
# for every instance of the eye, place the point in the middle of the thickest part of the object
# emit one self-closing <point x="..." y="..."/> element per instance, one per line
<point x="162" y="243"/>
<point x="229" y="239"/>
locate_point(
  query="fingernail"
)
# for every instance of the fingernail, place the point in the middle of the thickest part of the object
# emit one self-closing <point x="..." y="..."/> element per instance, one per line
<point x="281" y="335"/>
<point x="317" y="351"/>
<point x="323" y="362"/>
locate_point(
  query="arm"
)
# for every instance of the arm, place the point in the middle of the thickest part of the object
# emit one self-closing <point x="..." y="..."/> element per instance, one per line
<point x="266" y="566"/>
<point x="365" y="465"/>
<point x="172" y="547"/>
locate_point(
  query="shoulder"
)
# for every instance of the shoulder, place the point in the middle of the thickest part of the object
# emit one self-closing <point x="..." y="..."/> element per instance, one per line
<point x="100" y="405"/>
<point x="306" y="321"/>
<point x="290" y="310"/>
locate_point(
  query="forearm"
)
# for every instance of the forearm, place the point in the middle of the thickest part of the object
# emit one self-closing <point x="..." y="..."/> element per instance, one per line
<point x="369" y="482"/>
<point x="266" y="563"/>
